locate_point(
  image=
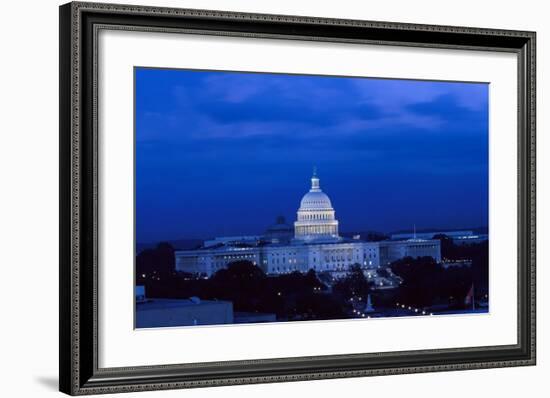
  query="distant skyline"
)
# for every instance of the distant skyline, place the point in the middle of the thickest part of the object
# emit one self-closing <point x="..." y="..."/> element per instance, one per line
<point x="225" y="153"/>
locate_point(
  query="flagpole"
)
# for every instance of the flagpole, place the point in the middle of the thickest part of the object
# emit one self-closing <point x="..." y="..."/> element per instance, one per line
<point x="473" y="297"/>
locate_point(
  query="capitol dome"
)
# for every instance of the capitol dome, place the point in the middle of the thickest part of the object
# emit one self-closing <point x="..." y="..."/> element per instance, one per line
<point x="315" y="200"/>
<point x="316" y="220"/>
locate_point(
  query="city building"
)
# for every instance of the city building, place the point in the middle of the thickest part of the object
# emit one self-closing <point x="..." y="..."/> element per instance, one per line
<point x="140" y="294"/>
<point x="313" y="243"/>
<point x="460" y="237"/>
<point x="182" y="312"/>
<point x="161" y="312"/>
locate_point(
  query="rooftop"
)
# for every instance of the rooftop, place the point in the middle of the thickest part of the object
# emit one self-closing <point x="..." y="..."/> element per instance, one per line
<point x="160" y="303"/>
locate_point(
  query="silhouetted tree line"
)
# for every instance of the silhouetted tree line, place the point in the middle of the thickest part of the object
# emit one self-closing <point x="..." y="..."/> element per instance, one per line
<point x="301" y="296"/>
<point x="289" y="296"/>
<point x="478" y="253"/>
<point x="354" y="284"/>
<point x="427" y="283"/>
<point x="155" y="263"/>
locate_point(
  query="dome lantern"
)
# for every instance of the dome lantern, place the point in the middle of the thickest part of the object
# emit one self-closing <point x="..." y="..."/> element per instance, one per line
<point x="315" y="181"/>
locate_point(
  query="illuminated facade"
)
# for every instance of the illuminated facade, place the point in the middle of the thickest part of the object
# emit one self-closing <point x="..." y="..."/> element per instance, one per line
<point x="316" y="218"/>
<point x="313" y="243"/>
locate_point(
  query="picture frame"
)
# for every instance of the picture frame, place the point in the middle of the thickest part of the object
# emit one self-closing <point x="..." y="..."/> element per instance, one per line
<point x="79" y="368"/>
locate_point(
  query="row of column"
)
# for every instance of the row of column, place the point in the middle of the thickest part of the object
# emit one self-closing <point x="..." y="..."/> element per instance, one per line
<point x="316" y="229"/>
<point x="315" y="216"/>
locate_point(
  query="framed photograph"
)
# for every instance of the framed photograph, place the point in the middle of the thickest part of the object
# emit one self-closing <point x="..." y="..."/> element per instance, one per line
<point x="253" y="198"/>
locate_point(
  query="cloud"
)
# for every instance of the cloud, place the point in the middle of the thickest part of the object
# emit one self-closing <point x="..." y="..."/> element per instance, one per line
<point x="236" y="111"/>
<point x="254" y="137"/>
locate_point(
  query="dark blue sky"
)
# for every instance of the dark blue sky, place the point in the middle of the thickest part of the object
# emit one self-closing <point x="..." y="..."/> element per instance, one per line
<point x="224" y="153"/>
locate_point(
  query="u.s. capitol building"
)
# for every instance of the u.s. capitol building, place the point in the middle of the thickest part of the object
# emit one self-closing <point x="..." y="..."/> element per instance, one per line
<point x="313" y="243"/>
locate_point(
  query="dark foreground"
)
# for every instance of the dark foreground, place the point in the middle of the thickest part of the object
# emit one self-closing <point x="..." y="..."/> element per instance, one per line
<point x="243" y="293"/>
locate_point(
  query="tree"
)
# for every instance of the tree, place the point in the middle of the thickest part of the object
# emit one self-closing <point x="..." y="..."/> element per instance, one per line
<point x="316" y="306"/>
<point x="158" y="263"/>
<point x="241" y="282"/>
<point x="240" y="270"/>
<point x="354" y="284"/>
<point x="447" y="245"/>
<point x="426" y="283"/>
